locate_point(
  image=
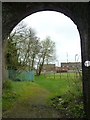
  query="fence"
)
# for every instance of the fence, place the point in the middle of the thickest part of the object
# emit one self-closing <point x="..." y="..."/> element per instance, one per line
<point x="22" y="76"/>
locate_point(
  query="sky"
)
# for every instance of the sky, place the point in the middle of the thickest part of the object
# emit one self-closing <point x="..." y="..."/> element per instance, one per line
<point x="61" y="30"/>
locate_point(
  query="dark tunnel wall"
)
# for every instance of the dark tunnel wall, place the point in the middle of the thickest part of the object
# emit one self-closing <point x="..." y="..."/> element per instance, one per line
<point x="13" y="13"/>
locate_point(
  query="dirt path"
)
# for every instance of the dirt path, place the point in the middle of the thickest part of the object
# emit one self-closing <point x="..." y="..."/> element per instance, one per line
<point x="34" y="106"/>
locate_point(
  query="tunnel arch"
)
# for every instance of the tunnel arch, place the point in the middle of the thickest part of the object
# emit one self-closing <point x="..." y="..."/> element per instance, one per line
<point x="13" y="13"/>
<point x="21" y="10"/>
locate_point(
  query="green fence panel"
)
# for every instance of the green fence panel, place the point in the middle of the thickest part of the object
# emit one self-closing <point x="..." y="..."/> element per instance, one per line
<point x="12" y="74"/>
<point x="23" y="76"/>
<point x="30" y="75"/>
<point x="26" y="76"/>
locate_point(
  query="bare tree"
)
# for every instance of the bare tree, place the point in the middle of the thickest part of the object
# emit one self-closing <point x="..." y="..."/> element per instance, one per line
<point x="30" y="51"/>
<point x="47" y="53"/>
<point x="26" y="44"/>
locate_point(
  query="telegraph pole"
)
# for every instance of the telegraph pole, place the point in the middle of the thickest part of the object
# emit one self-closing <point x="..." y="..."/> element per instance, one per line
<point x="67" y="62"/>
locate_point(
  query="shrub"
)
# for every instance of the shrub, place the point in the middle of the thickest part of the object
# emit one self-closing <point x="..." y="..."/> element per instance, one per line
<point x="7" y="84"/>
<point x="71" y="107"/>
<point x="9" y="96"/>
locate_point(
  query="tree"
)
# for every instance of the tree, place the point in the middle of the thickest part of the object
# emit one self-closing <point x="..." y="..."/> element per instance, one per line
<point x="47" y="53"/>
<point x="11" y="54"/>
<point x="27" y="45"/>
<point x="29" y="51"/>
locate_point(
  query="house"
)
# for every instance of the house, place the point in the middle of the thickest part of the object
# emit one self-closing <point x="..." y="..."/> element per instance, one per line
<point x="72" y="65"/>
<point x="48" y="68"/>
<point x="61" y="69"/>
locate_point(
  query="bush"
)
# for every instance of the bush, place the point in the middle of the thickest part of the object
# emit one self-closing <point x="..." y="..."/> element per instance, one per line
<point x="8" y="100"/>
<point x="71" y="107"/>
<point x="9" y="96"/>
<point x="7" y="84"/>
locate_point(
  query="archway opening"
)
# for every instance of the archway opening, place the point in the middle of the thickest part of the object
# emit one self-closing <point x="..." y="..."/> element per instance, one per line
<point x="65" y="68"/>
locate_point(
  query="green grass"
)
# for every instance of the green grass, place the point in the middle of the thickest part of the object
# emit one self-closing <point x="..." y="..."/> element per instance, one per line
<point x="46" y="87"/>
<point x="59" y="85"/>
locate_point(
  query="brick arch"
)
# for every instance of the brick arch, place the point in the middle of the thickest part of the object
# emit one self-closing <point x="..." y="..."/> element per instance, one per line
<point x="13" y="13"/>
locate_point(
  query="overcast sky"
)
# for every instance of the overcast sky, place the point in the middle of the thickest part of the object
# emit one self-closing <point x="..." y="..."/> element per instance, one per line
<point x="61" y="30"/>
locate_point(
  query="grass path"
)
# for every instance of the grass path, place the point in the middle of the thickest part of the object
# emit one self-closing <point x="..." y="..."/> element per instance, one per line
<point x="32" y="99"/>
<point x="32" y="103"/>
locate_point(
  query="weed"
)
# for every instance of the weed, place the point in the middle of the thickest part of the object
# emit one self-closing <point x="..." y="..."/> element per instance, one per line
<point x="71" y="106"/>
<point x="7" y="85"/>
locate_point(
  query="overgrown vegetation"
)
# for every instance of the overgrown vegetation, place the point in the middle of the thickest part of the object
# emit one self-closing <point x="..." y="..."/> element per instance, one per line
<point x="71" y="108"/>
<point x="7" y="85"/>
<point x="9" y="96"/>
<point x="71" y="102"/>
<point x="64" y="95"/>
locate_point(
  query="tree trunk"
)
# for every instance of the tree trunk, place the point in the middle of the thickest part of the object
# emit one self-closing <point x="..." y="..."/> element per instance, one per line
<point x="41" y="65"/>
<point x="32" y="66"/>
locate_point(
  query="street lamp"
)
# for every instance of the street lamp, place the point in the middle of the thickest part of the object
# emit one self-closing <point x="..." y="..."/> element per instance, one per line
<point x="76" y="60"/>
<point x="59" y="68"/>
<point x="58" y="63"/>
<point x="76" y="57"/>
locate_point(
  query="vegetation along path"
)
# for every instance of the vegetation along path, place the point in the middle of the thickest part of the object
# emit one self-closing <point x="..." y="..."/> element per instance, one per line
<point x="32" y="99"/>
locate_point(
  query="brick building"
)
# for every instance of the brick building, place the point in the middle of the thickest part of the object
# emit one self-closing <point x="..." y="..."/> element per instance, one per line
<point x="48" y="68"/>
<point x="72" y="65"/>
